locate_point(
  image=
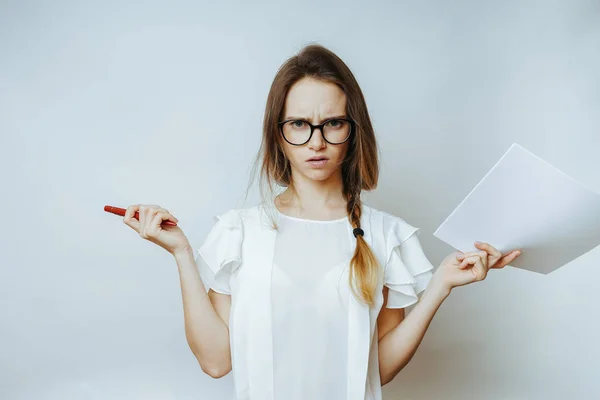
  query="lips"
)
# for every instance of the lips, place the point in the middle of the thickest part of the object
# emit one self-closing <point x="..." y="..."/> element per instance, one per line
<point x="317" y="158"/>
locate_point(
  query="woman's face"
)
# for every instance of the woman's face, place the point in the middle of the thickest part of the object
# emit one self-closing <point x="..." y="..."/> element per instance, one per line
<point x="315" y="101"/>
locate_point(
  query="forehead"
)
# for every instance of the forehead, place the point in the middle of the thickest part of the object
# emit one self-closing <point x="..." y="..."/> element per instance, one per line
<point x="309" y="97"/>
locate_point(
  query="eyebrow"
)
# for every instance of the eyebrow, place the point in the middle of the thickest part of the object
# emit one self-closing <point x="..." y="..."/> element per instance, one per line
<point x="306" y="119"/>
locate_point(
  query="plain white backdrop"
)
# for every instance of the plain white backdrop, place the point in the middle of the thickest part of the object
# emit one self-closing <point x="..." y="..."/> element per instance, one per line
<point x="118" y="103"/>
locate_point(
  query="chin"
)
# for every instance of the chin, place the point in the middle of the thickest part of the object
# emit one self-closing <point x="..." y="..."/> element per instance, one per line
<point x="319" y="175"/>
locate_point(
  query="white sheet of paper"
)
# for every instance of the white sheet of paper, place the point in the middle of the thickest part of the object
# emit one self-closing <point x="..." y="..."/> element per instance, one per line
<point x="525" y="203"/>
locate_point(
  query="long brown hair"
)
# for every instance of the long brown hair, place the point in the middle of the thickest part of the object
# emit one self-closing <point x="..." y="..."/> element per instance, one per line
<point x="360" y="168"/>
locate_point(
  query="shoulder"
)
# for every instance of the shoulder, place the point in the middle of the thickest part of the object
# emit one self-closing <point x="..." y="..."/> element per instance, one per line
<point x="388" y="220"/>
<point x="238" y="216"/>
<point x="390" y="229"/>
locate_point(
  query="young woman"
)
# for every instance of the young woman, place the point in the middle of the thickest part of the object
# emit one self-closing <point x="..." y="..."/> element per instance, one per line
<point x="307" y="290"/>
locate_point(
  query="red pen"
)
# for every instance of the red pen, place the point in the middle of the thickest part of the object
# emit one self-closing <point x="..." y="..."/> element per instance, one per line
<point x="121" y="212"/>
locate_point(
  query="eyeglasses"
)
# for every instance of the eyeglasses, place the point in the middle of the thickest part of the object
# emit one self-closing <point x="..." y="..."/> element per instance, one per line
<point x="298" y="132"/>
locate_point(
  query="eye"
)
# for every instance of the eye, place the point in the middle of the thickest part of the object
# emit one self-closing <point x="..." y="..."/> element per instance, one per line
<point x="298" y="124"/>
<point x="335" y="123"/>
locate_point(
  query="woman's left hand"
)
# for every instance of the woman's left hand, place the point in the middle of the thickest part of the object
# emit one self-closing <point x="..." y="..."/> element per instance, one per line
<point x="459" y="269"/>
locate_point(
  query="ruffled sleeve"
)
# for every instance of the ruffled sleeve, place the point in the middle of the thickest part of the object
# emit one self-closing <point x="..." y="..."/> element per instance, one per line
<point x="408" y="270"/>
<point x="221" y="253"/>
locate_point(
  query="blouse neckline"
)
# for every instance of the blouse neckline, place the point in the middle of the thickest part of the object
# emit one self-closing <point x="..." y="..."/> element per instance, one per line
<point x="318" y="221"/>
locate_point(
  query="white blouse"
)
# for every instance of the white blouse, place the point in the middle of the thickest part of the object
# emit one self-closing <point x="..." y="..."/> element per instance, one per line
<point x="310" y="291"/>
<point x="309" y="319"/>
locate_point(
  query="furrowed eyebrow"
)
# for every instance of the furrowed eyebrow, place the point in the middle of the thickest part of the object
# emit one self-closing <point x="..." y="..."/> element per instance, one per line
<point x="307" y="120"/>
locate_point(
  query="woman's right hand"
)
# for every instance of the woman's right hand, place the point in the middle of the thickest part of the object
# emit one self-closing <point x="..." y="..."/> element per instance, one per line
<point x="151" y="216"/>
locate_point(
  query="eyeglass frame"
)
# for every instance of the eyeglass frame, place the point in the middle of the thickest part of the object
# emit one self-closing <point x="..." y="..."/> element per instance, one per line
<point x="313" y="127"/>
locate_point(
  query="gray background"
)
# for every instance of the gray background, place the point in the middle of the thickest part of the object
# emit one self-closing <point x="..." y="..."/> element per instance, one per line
<point x="120" y="103"/>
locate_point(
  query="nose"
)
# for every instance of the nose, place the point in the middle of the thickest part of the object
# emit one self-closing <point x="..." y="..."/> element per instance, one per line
<point x="317" y="140"/>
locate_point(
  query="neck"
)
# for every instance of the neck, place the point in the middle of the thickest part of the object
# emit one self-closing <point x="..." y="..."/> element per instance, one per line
<point x="315" y="195"/>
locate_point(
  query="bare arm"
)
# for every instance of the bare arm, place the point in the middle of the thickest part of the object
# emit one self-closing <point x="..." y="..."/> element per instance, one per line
<point x="206" y="318"/>
<point x="388" y="318"/>
<point x="398" y="345"/>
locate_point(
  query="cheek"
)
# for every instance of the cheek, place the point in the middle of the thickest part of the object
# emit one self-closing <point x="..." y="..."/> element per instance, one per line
<point x="294" y="156"/>
<point x="341" y="153"/>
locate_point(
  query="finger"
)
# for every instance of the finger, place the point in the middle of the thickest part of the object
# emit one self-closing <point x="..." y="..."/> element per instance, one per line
<point x="169" y="214"/>
<point x="484" y="257"/>
<point x="479" y="270"/>
<point x="143" y="210"/>
<point x="480" y="253"/>
<point x="463" y="255"/>
<point x="155" y="225"/>
<point x="164" y="216"/>
<point x="146" y="213"/>
<point x="507" y="259"/>
<point x="481" y="257"/>
<point x="494" y="254"/>
<point x="470" y="259"/>
<point x="128" y="217"/>
<point x="151" y="212"/>
<point x="491" y="250"/>
<point x="510" y="257"/>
